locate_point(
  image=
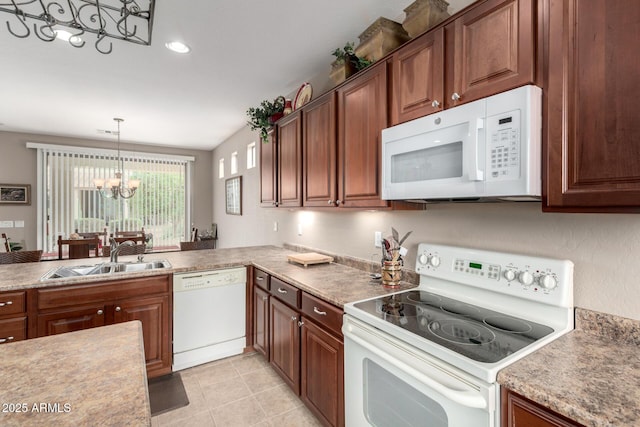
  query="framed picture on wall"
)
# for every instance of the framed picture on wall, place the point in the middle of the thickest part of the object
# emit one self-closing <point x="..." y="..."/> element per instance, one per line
<point x="15" y="194"/>
<point x="233" y="195"/>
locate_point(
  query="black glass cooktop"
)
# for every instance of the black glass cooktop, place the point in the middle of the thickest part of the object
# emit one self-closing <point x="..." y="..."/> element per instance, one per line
<point x="475" y="332"/>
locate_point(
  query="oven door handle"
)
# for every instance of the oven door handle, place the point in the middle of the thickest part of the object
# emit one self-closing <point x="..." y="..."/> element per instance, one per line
<point x="465" y="398"/>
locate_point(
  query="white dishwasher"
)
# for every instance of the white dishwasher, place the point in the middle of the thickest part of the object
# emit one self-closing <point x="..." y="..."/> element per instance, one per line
<point x="209" y="316"/>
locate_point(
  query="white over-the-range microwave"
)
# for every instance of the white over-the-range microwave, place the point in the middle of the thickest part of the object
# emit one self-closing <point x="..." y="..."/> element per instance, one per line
<point x="484" y="150"/>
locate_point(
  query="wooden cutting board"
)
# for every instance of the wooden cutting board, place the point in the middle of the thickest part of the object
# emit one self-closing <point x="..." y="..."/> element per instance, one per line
<point x="310" y="258"/>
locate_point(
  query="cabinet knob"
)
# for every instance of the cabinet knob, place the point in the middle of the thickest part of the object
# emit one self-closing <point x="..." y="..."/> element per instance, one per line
<point x="265" y="298"/>
<point x="294" y="318"/>
<point x="330" y="202"/>
<point x="338" y="202"/>
<point x="4" y="340"/>
<point x="455" y="96"/>
<point x="300" y="323"/>
<point x="100" y="312"/>
<point x="435" y="104"/>
<point x="2" y="304"/>
<point x="118" y="308"/>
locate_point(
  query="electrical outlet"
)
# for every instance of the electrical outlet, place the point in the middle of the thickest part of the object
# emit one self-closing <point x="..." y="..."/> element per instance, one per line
<point x="377" y="239"/>
<point x="6" y="224"/>
<point x="275" y="225"/>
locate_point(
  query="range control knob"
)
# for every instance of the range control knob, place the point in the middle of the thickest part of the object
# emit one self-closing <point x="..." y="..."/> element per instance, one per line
<point x="423" y="259"/>
<point x="547" y="281"/>
<point x="509" y="275"/>
<point x="525" y="278"/>
<point x="434" y="260"/>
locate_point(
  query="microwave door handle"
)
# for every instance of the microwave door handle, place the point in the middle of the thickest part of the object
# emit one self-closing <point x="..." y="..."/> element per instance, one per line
<point x="475" y="174"/>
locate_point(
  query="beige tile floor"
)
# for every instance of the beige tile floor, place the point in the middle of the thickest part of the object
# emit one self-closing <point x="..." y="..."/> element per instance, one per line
<point x="238" y="391"/>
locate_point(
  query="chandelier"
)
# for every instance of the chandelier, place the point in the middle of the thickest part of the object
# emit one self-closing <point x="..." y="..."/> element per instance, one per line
<point x="118" y="19"/>
<point x="116" y="186"/>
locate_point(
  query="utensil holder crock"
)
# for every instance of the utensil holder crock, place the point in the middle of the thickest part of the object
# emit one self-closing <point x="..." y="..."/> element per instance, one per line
<point x="391" y="273"/>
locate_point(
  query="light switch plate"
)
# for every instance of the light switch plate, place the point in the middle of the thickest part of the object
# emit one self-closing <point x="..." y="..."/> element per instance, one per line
<point x="377" y="239"/>
<point x="6" y="224"/>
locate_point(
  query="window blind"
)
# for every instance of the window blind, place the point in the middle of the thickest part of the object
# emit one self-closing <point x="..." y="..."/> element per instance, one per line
<point x="68" y="199"/>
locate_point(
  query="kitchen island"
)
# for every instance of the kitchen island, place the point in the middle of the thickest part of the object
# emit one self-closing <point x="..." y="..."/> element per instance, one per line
<point x="91" y="377"/>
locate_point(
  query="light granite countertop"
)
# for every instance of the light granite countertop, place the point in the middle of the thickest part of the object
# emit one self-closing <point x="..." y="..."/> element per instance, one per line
<point x="94" y="377"/>
<point x="335" y="283"/>
<point x="590" y="375"/>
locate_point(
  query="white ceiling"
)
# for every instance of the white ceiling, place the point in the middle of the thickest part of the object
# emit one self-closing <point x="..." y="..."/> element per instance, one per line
<point x="243" y="51"/>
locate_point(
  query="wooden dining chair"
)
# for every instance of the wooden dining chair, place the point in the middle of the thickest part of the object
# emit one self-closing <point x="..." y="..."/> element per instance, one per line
<point x="137" y="249"/>
<point x="20" y="256"/>
<point x="102" y="235"/>
<point x="78" y="248"/>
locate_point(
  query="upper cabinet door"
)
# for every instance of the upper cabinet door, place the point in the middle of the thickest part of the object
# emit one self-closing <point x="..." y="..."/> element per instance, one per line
<point x="362" y="114"/>
<point x="319" y="152"/>
<point x="290" y="161"/>
<point x="591" y="139"/>
<point x="417" y="78"/>
<point x="268" y="171"/>
<point x="493" y="48"/>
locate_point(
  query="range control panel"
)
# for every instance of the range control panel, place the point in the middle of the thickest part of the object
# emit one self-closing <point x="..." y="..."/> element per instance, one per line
<point x="498" y="271"/>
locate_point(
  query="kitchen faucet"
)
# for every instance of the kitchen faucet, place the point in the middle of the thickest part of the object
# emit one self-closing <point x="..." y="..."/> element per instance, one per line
<point x="115" y="248"/>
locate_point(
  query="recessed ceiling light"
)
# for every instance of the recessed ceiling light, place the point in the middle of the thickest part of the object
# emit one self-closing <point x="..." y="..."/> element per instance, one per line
<point x="67" y="36"/>
<point x="178" y="47"/>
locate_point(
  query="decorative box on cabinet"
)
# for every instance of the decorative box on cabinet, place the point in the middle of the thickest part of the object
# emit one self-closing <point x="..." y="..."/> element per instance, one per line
<point x="591" y="136"/>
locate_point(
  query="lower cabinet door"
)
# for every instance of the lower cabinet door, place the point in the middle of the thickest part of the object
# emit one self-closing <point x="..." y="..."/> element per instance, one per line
<point x="14" y="329"/>
<point x="285" y="343"/>
<point x="518" y="411"/>
<point x="153" y="312"/>
<point x="70" y="320"/>
<point x="261" y="321"/>
<point x="322" y="373"/>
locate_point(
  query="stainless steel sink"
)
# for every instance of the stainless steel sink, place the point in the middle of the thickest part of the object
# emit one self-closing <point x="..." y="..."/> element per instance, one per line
<point x="105" y="268"/>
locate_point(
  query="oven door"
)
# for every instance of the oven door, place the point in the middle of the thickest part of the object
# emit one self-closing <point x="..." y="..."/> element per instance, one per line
<point x="438" y="156"/>
<point x="391" y="384"/>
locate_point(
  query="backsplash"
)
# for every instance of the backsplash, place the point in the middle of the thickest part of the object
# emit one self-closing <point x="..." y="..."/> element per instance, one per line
<point x="619" y="329"/>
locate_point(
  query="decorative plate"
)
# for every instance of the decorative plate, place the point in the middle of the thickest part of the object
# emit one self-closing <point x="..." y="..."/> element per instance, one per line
<point x="303" y="96"/>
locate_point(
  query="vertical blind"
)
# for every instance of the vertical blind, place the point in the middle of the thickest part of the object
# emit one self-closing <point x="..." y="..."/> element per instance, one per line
<point x="69" y="201"/>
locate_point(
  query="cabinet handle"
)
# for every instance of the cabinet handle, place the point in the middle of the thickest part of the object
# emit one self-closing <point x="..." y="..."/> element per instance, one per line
<point x="260" y="278"/>
<point x="455" y="96"/>
<point x="4" y="340"/>
<point x="2" y="304"/>
<point x="265" y="298"/>
<point x="316" y="310"/>
<point x="338" y="202"/>
<point x="100" y="312"/>
<point x="118" y="308"/>
<point x="300" y="323"/>
<point x="282" y="290"/>
<point x="435" y="104"/>
<point x="294" y="318"/>
<point x="330" y="202"/>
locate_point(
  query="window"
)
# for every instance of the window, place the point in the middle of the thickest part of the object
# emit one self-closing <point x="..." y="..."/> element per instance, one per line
<point x="221" y="168"/>
<point x="234" y="163"/>
<point x="68" y="199"/>
<point x="251" y="155"/>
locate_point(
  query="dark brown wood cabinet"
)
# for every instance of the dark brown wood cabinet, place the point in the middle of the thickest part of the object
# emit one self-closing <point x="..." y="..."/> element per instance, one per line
<point x="362" y="114"/>
<point x="490" y="48"/>
<point x="289" y="167"/>
<point x="518" y="411"/>
<point x="261" y="321"/>
<point x="82" y="306"/>
<point x="591" y="133"/>
<point x="417" y="78"/>
<point x="284" y="343"/>
<point x="319" y="152"/>
<point x="269" y="171"/>
<point x="13" y="317"/>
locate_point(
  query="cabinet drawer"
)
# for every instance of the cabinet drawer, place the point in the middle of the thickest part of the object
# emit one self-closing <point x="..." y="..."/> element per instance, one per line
<point x="260" y="278"/>
<point x="12" y="303"/>
<point x="285" y="292"/>
<point x="324" y="313"/>
<point x="13" y="330"/>
<point x="101" y="292"/>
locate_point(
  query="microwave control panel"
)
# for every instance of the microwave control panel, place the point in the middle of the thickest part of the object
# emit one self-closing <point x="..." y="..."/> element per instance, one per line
<point x="504" y="146"/>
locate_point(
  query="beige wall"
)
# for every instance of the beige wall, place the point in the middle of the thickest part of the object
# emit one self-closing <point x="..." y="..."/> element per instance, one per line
<point x="18" y="166"/>
<point x="605" y="248"/>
